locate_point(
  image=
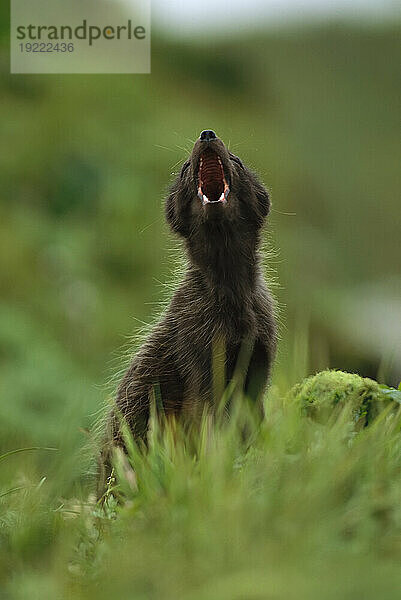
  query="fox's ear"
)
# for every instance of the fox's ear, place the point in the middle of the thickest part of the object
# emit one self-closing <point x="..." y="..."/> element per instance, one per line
<point x="237" y="160"/>
<point x="177" y="209"/>
<point x="260" y="206"/>
<point x="263" y="199"/>
<point x="176" y="214"/>
<point x="184" y="168"/>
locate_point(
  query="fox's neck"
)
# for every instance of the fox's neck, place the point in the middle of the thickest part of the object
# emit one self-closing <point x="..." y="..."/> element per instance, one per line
<point x="228" y="264"/>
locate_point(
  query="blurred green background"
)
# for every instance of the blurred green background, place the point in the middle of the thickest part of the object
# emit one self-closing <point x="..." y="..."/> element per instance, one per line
<point x="85" y="163"/>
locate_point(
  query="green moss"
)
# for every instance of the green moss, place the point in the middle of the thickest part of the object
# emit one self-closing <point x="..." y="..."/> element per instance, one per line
<point x="329" y="392"/>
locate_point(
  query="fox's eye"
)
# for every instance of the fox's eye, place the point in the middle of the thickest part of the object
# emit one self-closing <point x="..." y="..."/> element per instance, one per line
<point x="184" y="168"/>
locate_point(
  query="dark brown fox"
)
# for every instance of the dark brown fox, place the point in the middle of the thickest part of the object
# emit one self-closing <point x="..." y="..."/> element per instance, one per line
<point x="222" y="306"/>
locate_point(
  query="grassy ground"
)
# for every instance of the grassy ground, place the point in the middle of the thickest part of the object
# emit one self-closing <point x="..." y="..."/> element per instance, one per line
<point x="297" y="509"/>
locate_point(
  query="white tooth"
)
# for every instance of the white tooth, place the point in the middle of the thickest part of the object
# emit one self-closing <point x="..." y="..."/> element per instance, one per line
<point x="222" y="197"/>
<point x="205" y="199"/>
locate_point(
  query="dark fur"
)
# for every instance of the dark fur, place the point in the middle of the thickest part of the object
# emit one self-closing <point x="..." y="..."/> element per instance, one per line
<point x="222" y="302"/>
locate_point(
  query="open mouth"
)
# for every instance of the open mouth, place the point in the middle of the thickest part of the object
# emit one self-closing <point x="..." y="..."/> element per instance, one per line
<point x="212" y="184"/>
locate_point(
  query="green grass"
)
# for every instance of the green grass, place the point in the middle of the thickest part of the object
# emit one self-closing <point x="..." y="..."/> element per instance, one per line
<point x="294" y="509"/>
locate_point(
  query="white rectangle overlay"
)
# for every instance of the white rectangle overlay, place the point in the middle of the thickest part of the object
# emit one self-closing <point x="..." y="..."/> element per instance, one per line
<point x="80" y="36"/>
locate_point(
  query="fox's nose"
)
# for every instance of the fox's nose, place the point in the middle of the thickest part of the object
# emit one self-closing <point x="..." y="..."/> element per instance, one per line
<point x="207" y="135"/>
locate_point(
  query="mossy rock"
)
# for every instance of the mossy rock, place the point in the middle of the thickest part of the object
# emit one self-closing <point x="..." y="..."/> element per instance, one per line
<point x="328" y="392"/>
